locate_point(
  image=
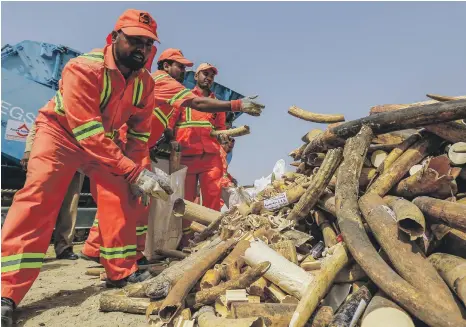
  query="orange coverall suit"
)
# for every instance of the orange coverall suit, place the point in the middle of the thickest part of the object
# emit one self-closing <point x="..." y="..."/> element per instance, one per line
<point x="200" y="151"/>
<point x="168" y="93"/>
<point x="93" y="100"/>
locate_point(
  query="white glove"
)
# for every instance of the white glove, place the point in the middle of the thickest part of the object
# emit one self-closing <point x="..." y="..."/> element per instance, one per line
<point x="250" y="106"/>
<point x="155" y="184"/>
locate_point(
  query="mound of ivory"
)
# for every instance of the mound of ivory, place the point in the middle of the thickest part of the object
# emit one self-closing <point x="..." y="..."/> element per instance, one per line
<point x="369" y="230"/>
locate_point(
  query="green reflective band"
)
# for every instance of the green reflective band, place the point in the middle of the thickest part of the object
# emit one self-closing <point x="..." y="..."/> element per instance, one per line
<point x="180" y="95"/>
<point x="59" y="108"/>
<point x="141" y="230"/>
<point x="96" y="223"/>
<point x="137" y="91"/>
<point x="156" y="78"/>
<point x="203" y="124"/>
<point x="161" y="116"/>
<point x="118" y="252"/>
<point x="106" y="90"/>
<point x="22" y="261"/>
<point x="111" y="135"/>
<point x="87" y="130"/>
<point x="94" y="56"/>
<point x="188" y="114"/>
<point x="170" y="114"/>
<point x="140" y="136"/>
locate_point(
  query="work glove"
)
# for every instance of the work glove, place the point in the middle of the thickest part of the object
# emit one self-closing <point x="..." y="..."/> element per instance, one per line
<point x="248" y="105"/>
<point x="223" y="138"/>
<point x="155" y="184"/>
<point x="136" y="191"/>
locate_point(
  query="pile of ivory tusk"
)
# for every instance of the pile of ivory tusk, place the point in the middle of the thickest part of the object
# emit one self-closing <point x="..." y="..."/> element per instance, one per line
<point x="370" y="230"/>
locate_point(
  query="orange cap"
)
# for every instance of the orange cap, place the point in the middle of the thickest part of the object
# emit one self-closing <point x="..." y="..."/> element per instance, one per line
<point x="137" y="23"/>
<point x="205" y="66"/>
<point x="175" y="55"/>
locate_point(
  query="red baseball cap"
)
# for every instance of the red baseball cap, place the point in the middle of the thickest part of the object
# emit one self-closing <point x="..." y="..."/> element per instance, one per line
<point x="175" y="55"/>
<point x="205" y="66"/>
<point x="135" y="22"/>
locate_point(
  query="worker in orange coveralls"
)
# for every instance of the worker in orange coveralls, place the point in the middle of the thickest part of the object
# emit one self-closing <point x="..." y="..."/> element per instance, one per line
<point x="98" y="93"/>
<point x="174" y="105"/>
<point x="170" y="96"/>
<point x="91" y="248"/>
<point x="200" y="151"/>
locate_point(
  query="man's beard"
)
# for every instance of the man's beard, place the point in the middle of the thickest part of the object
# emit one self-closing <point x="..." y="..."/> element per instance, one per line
<point x="180" y="78"/>
<point x="205" y="86"/>
<point x="132" y="63"/>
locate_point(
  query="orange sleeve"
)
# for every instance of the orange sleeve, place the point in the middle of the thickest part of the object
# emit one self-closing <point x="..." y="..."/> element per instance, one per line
<point x="220" y="121"/>
<point x="81" y="100"/>
<point x="139" y="129"/>
<point x="173" y="93"/>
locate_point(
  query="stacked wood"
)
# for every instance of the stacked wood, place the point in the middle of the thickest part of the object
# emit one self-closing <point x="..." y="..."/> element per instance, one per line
<point x="376" y="205"/>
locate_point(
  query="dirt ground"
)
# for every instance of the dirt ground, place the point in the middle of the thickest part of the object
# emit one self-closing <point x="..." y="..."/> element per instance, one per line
<point x="63" y="296"/>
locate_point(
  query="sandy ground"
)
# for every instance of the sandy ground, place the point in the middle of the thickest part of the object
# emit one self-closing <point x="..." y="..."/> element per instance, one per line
<point x="63" y="295"/>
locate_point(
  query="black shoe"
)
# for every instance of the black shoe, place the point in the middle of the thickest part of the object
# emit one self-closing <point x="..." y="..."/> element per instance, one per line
<point x="143" y="261"/>
<point x="8" y="307"/>
<point x="88" y="258"/>
<point x="139" y="276"/>
<point x="120" y="283"/>
<point x="136" y="277"/>
<point x="67" y="254"/>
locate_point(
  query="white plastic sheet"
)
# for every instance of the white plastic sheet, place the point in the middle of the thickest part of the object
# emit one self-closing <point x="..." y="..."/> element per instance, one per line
<point x="261" y="183"/>
<point x="164" y="229"/>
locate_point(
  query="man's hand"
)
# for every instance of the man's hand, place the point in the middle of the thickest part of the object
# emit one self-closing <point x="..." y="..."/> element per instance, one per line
<point x="155" y="184"/>
<point x="25" y="160"/>
<point x="250" y="106"/>
<point x="223" y="138"/>
<point x="168" y="135"/>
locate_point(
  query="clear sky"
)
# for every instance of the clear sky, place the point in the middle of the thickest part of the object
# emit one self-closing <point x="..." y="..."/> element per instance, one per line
<point x="334" y="57"/>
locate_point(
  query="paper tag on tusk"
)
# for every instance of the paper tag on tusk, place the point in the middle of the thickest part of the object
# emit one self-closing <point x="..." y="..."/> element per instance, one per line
<point x="276" y="202"/>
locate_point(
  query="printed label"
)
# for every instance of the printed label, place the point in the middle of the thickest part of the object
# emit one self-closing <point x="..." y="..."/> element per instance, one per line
<point x="276" y="202"/>
<point x="16" y="130"/>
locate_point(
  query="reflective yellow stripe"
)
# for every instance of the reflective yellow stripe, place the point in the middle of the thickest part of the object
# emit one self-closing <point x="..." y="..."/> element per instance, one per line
<point x="170" y="114"/>
<point x="138" y="135"/>
<point x="22" y="261"/>
<point x="156" y="78"/>
<point x="94" y="56"/>
<point x="203" y="124"/>
<point x="137" y="91"/>
<point x="188" y="114"/>
<point x="87" y="130"/>
<point x="161" y="116"/>
<point x="106" y="90"/>
<point x="59" y="108"/>
<point x="141" y="230"/>
<point x="180" y="95"/>
<point x="96" y="223"/>
<point x="117" y="252"/>
<point x="111" y="135"/>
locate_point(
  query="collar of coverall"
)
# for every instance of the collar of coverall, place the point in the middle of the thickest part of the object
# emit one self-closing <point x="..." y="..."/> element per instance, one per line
<point x="199" y="92"/>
